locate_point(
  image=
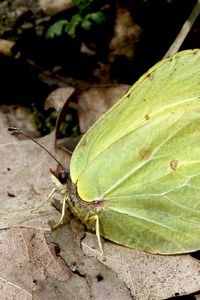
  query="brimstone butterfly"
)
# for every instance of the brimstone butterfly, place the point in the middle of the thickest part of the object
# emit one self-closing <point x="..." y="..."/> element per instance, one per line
<point x="135" y="175"/>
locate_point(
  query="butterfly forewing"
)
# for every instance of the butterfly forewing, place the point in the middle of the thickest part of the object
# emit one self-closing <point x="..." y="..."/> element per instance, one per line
<point x="143" y="159"/>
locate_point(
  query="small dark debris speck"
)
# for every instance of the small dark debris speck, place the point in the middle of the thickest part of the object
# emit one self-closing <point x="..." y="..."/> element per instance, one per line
<point x="99" y="277"/>
<point x="10" y="194"/>
<point x="57" y="249"/>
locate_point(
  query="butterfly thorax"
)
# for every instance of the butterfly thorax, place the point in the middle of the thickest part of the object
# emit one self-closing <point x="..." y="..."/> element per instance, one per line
<point x="81" y="209"/>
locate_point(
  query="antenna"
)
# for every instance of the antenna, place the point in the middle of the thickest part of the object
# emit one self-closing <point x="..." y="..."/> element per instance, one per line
<point x="60" y="173"/>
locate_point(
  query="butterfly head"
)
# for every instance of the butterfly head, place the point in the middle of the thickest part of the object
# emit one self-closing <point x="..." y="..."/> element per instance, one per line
<point x="60" y="173"/>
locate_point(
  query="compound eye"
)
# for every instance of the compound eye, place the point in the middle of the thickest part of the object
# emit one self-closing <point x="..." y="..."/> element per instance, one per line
<point x="62" y="176"/>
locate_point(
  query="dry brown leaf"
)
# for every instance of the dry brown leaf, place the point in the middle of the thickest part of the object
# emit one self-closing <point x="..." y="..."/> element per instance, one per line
<point x="58" y="97"/>
<point x="6" y="47"/>
<point x="148" y="276"/>
<point x="25" y="175"/>
<point x="55" y="6"/>
<point x="126" y="34"/>
<point x="25" y="260"/>
<point x="92" y="103"/>
<point x="102" y="282"/>
<point x="96" y="100"/>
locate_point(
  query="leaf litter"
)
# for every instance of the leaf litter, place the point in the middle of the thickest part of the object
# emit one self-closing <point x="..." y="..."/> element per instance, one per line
<point x="31" y="268"/>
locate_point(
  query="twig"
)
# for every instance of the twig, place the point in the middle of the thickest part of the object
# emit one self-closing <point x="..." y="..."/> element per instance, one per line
<point x="184" y="30"/>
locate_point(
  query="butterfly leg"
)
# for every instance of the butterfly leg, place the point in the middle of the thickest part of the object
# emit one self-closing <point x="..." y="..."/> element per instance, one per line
<point x="37" y="208"/>
<point x="60" y="222"/>
<point x="98" y="235"/>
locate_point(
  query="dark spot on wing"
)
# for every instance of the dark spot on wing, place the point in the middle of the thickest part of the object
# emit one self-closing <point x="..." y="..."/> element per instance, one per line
<point x="174" y="164"/>
<point x="145" y="153"/>
<point x="150" y="76"/>
<point x="83" y="142"/>
<point x="147" y="117"/>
